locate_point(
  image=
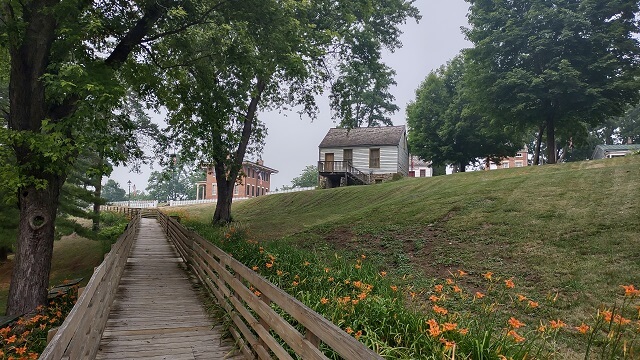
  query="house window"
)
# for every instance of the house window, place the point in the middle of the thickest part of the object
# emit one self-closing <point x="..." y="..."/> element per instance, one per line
<point x="253" y="190"/>
<point x="505" y="165"/>
<point x="347" y="156"/>
<point x="236" y="191"/>
<point x="374" y="158"/>
<point x="213" y="190"/>
<point x="248" y="190"/>
<point x="423" y="172"/>
<point x="412" y="173"/>
<point x="519" y="163"/>
<point x="519" y="155"/>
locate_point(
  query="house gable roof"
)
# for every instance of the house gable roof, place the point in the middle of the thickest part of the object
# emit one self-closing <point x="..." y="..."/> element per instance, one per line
<point x="368" y="136"/>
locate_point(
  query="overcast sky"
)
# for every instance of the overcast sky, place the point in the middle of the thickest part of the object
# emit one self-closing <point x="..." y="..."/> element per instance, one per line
<point x="292" y="143"/>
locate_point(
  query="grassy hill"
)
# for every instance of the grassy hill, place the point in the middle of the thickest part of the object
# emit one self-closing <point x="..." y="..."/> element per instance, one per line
<point x="570" y="229"/>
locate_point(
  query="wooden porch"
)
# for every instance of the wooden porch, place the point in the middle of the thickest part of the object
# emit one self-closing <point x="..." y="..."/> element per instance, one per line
<point x="342" y="173"/>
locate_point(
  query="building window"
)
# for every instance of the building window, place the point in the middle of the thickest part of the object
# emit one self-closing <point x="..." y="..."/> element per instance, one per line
<point x="374" y="158"/>
<point x="253" y="190"/>
<point x="236" y="191"/>
<point x="519" y="155"/>
<point x="213" y="190"/>
<point x="412" y="173"/>
<point x="423" y="172"/>
<point x="347" y="156"/>
<point x="505" y="165"/>
<point x="519" y="164"/>
<point x="248" y="190"/>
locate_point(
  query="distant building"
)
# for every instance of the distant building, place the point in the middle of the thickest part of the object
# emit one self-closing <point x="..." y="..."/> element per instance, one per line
<point x="419" y="167"/>
<point x="611" y="151"/>
<point x="521" y="159"/>
<point x="254" y="180"/>
<point x="362" y="155"/>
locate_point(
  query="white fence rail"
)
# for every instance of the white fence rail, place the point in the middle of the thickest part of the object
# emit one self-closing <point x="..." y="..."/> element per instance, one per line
<point x="291" y="190"/>
<point x="139" y="204"/>
<point x="143" y="204"/>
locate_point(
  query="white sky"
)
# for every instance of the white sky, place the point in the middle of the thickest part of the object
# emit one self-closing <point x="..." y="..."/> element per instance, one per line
<point x="292" y="143"/>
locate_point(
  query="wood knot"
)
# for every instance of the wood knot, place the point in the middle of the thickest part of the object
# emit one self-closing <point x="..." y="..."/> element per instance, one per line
<point x="37" y="221"/>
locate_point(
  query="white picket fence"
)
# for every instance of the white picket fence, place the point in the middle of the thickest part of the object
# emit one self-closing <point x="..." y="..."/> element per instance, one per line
<point x="139" y="204"/>
<point x="291" y="190"/>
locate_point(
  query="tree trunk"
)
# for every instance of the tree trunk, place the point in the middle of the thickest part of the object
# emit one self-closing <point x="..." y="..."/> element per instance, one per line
<point x="4" y="253"/>
<point x="462" y="167"/>
<point x="536" y="152"/>
<point x="226" y="175"/>
<point x="222" y="215"/>
<point x="30" y="52"/>
<point x="34" y="249"/>
<point x="551" y="141"/>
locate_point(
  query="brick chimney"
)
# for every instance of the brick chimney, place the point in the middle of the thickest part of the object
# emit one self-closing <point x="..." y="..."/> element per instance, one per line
<point x="260" y="162"/>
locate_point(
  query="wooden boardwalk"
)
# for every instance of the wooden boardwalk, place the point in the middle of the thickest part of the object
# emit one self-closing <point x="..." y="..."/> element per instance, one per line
<point x="156" y="313"/>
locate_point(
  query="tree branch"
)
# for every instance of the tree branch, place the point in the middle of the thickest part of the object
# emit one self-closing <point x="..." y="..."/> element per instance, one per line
<point x="200" y="20"/>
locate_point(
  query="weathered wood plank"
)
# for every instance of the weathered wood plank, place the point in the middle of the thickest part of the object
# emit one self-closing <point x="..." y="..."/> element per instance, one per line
<point x="156" y="313"/>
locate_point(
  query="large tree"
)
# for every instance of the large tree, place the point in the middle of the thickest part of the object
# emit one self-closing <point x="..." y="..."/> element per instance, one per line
<point x="271" y="54"/>
<point x="553" y="65"/>
<point x="308" y="177"/>
<point x="67" y="58"/>
<point x="446" y="129"/>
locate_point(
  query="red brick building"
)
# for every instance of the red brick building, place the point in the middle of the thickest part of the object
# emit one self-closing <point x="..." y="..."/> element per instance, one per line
<point x="521" y="159"/>
<point x="254" y="180"/>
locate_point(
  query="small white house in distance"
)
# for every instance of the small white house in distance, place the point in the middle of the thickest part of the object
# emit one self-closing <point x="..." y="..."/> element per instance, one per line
<point x="611" y="151"/>
<point x="362" y="155"/>
<point x="419" y="167"/>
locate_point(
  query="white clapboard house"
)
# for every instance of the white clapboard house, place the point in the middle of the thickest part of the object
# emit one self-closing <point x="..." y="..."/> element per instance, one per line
<point x="362" y="155"/>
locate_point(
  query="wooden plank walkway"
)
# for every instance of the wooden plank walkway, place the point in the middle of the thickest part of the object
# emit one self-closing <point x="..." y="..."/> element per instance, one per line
<point x="156" y="313"/>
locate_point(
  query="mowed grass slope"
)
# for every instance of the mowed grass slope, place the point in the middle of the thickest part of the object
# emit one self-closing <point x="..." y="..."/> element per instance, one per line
<point x="570" y="229"/>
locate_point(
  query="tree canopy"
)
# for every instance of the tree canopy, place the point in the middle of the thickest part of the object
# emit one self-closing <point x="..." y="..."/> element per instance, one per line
<point x="446" y="129"/>
<point x="552" y="65"/>
<point x="308" y="177"/>
<point x="274" y="54"/>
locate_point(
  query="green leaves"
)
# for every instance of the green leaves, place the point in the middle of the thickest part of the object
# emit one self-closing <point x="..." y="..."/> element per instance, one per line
<point x="561" y="63"/>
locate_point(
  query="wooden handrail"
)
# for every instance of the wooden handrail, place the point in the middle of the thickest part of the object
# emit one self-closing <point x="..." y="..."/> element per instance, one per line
<point x="343" y="167"/>
<point x="79" y="335"/>
<point x="253" y="315"/>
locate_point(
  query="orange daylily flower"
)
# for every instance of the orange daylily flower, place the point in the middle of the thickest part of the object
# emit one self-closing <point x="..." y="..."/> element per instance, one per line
<point x="487" y="275"/>
<point x="434" y="328"/>
<point x="255" y="268"/>
<point x="630" y="290"/>
<point x="21" y="350"/>
<point x="582" y="329"/>
<point x="359" y="333"/>
<point x="620" y="320"/>
<point x="439" y="310"/>
<point x="516" y="337"/>
<point x="521" y="297"/>
<point x="383" y="273"/>
<point x="509" y="283"/>
<point x="449" y="281"/>
<point x="456" y="289"/>
<point x="515" y="323"/>
<point x="324" y="300"/>
<point x="279" y="272"/>
<point x="463" y="331"/>
<point x="349" y="330"/>
<point x="479" y="295"/>
<point x="434" y="298"/>
<point x="533" y="304"/>
<point x="438" y="288"/>
<point x="447" y="344"/>
<point x="449" y="326"/>
<point x="11" y="339"/>
<point x="462" y="273"/>
<point x="269" y="265"/>
<point x="394" y="288"/>
<point x="557" y="324"/>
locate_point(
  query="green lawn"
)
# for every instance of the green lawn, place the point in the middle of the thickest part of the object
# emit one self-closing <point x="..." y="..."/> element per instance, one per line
<point x="570" y="229"/>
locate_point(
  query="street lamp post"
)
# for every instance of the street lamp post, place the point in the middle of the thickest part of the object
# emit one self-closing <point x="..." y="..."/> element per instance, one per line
<point x="129" y="202"/>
